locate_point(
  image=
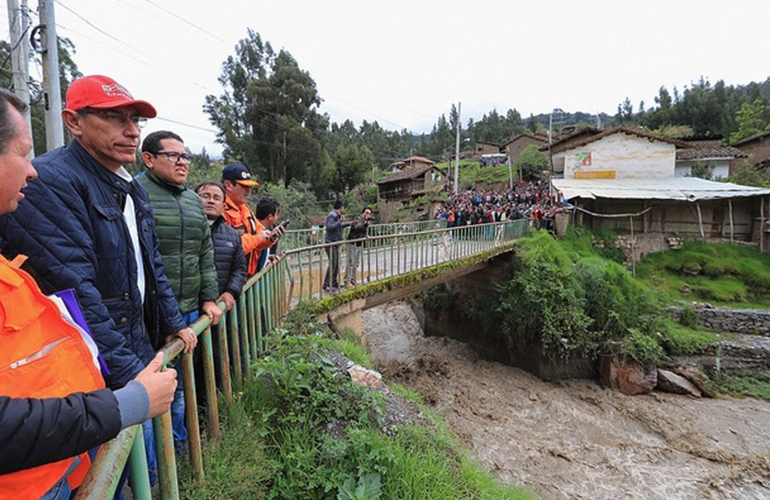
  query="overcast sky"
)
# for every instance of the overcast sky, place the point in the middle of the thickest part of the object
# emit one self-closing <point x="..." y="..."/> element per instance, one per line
<point x="403" y="63"/>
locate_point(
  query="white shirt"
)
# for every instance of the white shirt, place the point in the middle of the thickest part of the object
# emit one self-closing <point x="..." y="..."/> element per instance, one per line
<point x="129" y="214"/>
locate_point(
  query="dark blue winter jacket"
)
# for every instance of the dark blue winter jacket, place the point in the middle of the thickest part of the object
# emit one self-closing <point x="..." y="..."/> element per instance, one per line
<point x="71" y="226"/>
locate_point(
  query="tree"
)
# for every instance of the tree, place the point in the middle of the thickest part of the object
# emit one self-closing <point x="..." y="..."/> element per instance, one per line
<point x="353" y="163"/>
<point x="531" y="163"/>
<point x="753" y="118"/>
<point x="532" y="123"/>
<point x="68" y="72"/>
<point x="267" y="116"/>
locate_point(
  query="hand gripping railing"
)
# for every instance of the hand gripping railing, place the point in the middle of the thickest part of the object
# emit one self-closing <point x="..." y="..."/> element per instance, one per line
<point x="239" y="339"/>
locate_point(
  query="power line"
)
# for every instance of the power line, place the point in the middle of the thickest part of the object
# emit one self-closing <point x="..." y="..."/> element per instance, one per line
<point x="212" y="35"/>
<point x="155" y="62"/>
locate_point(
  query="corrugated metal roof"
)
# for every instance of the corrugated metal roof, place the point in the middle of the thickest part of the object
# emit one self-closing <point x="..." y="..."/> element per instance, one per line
<point x="673" y="188"/>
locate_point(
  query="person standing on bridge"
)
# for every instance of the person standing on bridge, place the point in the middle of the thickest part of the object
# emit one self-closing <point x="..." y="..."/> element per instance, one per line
<point x="334" y="227"/>
<point x="357" y="231"/>
<point x="185" y="245"/>
<point x="53" y="404"/>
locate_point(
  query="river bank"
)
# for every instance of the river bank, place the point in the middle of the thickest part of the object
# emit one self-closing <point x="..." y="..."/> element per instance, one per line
<point x="573" y="439"/>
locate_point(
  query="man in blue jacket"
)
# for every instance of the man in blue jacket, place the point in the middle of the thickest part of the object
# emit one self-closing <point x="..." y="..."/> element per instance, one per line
<point x="86" y="226"/>
<point x="334" y="227"/>
<point x="44" y="424"/>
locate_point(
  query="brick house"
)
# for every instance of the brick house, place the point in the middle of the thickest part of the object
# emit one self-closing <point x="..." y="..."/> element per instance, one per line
<point x="486" y="148"/>
<point x="757" y="148"/>
<point x="514" y="146"/>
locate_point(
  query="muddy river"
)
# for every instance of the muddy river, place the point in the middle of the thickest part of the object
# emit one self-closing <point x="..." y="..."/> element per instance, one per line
<point x="574" y="439"/>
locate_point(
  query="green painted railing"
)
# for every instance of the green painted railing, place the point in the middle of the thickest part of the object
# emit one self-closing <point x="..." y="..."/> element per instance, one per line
<point x="301" y="238"/>
<point x="238" y="339"/>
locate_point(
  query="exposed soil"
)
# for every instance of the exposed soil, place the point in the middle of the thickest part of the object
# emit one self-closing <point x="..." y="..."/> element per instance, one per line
<point x="573" y="439"/>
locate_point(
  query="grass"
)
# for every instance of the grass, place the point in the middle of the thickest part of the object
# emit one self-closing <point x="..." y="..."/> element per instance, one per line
<point x="472" y="172"/>
<point x="743" y="384"/>
<point x="301" y="429"/>
<point x="723" y="274"/>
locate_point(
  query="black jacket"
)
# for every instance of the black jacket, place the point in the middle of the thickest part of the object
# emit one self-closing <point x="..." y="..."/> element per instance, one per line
<point x="71" y="226"/>
<point x="228" y="258"/>
<point x="39" y="431"/>
<point x="358" y="229"/>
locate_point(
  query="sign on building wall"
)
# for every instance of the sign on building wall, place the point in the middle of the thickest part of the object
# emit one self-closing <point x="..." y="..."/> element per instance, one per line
<point x="583" y="159"/>
<point x="596" y="174"/>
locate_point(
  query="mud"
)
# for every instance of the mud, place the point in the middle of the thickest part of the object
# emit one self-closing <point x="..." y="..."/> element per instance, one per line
<point x="573" y="439"/>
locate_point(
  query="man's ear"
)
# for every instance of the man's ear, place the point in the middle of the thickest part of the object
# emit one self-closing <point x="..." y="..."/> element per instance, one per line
<point x="148" y="159"/>
<point x="73" y="122"/>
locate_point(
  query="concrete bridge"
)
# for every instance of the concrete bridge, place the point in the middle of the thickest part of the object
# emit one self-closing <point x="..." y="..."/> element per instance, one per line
<point x="392" y="266"/>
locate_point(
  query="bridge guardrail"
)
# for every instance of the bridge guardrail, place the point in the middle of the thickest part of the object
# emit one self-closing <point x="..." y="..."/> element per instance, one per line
<point x="301" y="238"/>
<point x="239" y="338"/>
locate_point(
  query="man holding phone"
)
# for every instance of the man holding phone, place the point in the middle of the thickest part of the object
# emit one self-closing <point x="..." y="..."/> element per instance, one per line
<point x="267" y="213"/>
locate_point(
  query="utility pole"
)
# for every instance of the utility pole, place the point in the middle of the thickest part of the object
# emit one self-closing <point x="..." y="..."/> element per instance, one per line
<point x="20" y="56"/>
<point x="457" y="151"/>
<point x="54" y="129"/>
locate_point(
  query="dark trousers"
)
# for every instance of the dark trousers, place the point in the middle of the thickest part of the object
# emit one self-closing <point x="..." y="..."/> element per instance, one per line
<point x="333" y="271"/>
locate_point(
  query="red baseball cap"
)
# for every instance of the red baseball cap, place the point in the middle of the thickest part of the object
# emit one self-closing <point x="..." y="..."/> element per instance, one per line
<point x="102" y="92"/>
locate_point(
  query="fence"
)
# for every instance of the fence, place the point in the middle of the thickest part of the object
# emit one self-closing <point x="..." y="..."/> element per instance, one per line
<point x="301" y="238"/>
<point x="266" y="298"/>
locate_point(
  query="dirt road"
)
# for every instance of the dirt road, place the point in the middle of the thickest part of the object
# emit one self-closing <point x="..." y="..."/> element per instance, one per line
<point x="574" y="439"/>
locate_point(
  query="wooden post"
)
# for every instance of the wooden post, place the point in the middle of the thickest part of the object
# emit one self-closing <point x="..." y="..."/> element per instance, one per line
<point x="633" y="248"/>
<point x="700" y="221"/>
<point x="762" y="225"/>
<point x="732" y="225"/>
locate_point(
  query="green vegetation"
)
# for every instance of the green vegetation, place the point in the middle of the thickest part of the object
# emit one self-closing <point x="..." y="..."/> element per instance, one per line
<point x="302" y="429"/>
<point x="743" y="384"/>
<point x="471" y="172"/>
<point x="723" y="274"/>
<point x="572" y="301"/>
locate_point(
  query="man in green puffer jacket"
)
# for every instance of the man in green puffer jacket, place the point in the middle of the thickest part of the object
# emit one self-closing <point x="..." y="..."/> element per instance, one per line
<point x="185" y="240"/>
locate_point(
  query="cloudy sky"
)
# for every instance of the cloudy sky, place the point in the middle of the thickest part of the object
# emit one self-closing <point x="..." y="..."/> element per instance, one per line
<point x="403" y="63"/>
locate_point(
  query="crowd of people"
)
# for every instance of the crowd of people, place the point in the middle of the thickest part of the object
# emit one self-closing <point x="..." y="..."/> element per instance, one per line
<point x="527" y="200"/>
<point x="99" y="269"/>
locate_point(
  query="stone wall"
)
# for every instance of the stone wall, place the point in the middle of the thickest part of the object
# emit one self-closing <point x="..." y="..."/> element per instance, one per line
<point x="748" y="321"/>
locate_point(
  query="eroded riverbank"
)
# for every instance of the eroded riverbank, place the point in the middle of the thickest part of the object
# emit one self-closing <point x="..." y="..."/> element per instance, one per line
<point x="574" y="439"/>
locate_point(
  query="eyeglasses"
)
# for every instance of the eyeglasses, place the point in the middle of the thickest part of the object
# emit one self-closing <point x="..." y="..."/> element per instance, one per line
<point x="173" y="156"/>
<point x="116" y="117"/>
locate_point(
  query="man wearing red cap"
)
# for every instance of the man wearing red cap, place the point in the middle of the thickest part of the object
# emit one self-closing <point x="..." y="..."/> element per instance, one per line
<point x="86" y="226"/>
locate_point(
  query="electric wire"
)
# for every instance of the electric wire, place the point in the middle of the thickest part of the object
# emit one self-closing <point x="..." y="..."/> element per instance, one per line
<point x="212" y="35"/>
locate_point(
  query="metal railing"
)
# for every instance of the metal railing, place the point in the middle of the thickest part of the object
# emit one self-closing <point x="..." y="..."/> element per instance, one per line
<point x="229" y="347"/>
<point x="301" y="238"/>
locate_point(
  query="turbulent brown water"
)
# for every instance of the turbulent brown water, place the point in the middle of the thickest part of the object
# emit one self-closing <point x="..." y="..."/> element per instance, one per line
<point x="574" y="439"/>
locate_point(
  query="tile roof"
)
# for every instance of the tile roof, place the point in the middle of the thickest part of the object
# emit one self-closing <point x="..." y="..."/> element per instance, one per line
<point x="593" y="135"/>
<point x="698" y="152"/>
<point x="751" y="139"/>
<point x="407" y="173"/>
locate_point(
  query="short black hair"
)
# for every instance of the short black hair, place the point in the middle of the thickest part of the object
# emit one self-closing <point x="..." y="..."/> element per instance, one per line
<point x="337" y="204"/>
<point x="266" y="206"/>
<point x="151" y="143"/>
<point x="365" y="209"/>
<point x="211" y="183"/>
<point x="8" y="130"/>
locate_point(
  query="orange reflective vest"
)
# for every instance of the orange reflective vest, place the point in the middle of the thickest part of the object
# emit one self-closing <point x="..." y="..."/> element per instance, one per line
<point x="42" y="356"/>
<point x="242" y="219"/>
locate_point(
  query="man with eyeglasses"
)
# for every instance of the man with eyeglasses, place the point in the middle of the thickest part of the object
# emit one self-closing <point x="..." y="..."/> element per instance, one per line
<point x="86" y="226"/>
<point x="185" y="247"/>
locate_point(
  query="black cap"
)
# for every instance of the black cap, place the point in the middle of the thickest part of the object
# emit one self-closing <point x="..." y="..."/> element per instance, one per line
<point x="236" y="172"/>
